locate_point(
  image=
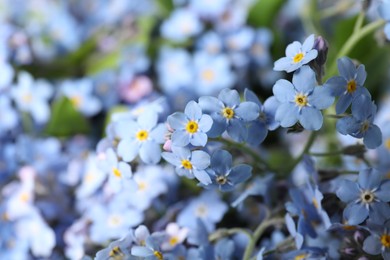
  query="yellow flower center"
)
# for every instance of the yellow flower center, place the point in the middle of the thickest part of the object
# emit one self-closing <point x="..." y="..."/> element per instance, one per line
<point x="301" y="100"/>
<point x="192" y="127"/>
<point x="349" y="227"/>
<point x="228" y="112"/>
<point x="117" y="173"/>
<point x="76" y="101"/>
<point x="315" y="203"/>
<point x="89" y="177"/>
<point x="142" y="135"/>
<point x="208" y="74"/>
<point x="351" y="86"/>
<point x="27" y="98"/>
<point x="158" y="255"/>
<point x="142" y="185"/>
<point x="367" y="197"/>
<point x="300" y="257"/>
<point x="186" y="164"/>
<point x="201" y="211"/>
<point x="387" y="143"/>
<point x="114" y="220"/>
<point x="385" y="240"/>
<point x="24" y="197"/>
<point x="116" y="251"/>
<point x="173" y="241"/>
<point x="221" y="180"/>
<point x="297" y="58"/>
<point x="364" y="127"/>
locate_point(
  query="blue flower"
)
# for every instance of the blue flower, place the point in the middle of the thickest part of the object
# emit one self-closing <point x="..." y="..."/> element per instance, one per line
<point x="223" y="175"/>
<point x="379" y="240"/>
<point x="302" y="100"/>
<point x="297" y="54"/>
<point x="360" y="123"/>
<point x="190" y="127"/>
<point x="151" y="250"/>
<point x="116" y="249"/>
<point x="229" y="114"/>
<point x="8" y="116"/>
<point x="348" y="85"/>
<point x="258" y="129"/>
<point x="189" y="164"/>
<point x="384" y="11"/>
<point x="143" y="137"/>
<point x="367" y="197"/>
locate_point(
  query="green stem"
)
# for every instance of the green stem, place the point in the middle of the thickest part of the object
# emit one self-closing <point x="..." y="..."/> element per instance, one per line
<point x="353" y="40"/>
<point x="359" y="22"/>
<point x="305" y="150"/>
<point x="333" y="10"/>
<point x="257" y="234"/>
<point x="326" y="154"/>
<point x="223" y="232"/>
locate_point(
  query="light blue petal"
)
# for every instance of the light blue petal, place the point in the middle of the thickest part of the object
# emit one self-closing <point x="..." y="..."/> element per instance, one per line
<point x="210" y="104"/>
<point x="387" y="31"/>
<point x="287" y="114"/>
<point x="171" y="158"/>
<point x="293" y="49"/>
<point x="355" y="213"/>
<point x="202" y="177"/>
<point x="128" y="149"/>
<point x="337" y="85"/>
<point x="384" y="192"/>
<point x="346" y="68"/>
<point x="372" y="245"/>
<point x="321" y="98"/>
<point x="125" y="170"/>
<point x="283" y="64"/>
<point x="304" y="80"/>
<point x="248" y="111"/>
<point x="251" y="96"/>
<point x="384" y="10"/>
<point x="193" y="110"/>
<point x="271" y="104"/>
<point x="284" y="91"/>
<point x="311" y="118"/>
<point x="205" y="123"/>
<point x="181" y="152"/>
<point x="147" y="120"/>
<point x="237" y="130"/>
<point x="369" y="179"/>
<point x="218" y="126"/>
<point x="126" y="128"/>
<point x="240" y="173"/>
<point x="348" y="191"/>
<point x="361" y="75"/>
<point x="141" y="251"/>
<point x="257" y="132"/>
<point x="362" y="107"/>
<point x="308" y="44"/>
<point x="198" y="139"/>
<point x="180" y="138"/>
<point x="150" y="152"/>
<point x="221" y="161"/>
<point x="347" y="125"/>
<point x="177" y="120"/>
<point x="158" y="133"/>
<point x="373" y="137"/>
<point x="343" y="103"/>
<point x="229" y="97"/>
<point x="200" y="160"/>
<point x="311" y="55"/>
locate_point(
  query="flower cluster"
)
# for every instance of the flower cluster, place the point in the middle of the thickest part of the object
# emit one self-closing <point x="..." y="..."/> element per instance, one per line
<point x="194" y="129"/>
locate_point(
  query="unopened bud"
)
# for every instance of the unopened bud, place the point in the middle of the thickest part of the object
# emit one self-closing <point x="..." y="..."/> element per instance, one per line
<point x="318" y="64"/>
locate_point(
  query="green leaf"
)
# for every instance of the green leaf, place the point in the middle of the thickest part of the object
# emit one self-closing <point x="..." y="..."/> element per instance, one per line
<point x="263" y="12"/>
<point x="66" y="120"/>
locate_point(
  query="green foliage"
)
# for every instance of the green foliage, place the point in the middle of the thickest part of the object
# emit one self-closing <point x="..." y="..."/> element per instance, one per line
<point x="264" y="12"/>
<point x="65" y="120"/>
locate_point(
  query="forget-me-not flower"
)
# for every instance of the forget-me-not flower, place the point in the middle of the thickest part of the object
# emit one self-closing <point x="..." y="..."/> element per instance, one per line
<point x="189" y="164"/>
<point x="368" y="197"/>
<point x="360" y="123"/>
<point x="301" y="100"/>
<point x="229" y="114"/>
<point x="348" y="85"/>
<point x="223" y="175"/>
<point x="143" y="137"/>
<point x="8" y="115"/>
<point x="297" y="55"/>
<point x="384" y="11"/>
<point x="379" y="240"/>
<point x="191" y="126"/>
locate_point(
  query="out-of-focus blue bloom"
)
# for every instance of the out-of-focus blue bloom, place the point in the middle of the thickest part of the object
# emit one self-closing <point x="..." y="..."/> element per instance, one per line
<point x="292" y="229"/>
<point x="79" y="92"/>
<point x="189" y="164"/>
<point x="384" y="11"/>
<point x="8" y="116"/>
<point x="379" y="240"/>
<point x="119" y="172"/>
<point x="191" y="126"/>
<point x="209" y="10"/>
<point x="348" y="85"/>
<point x="32" y="97"/>
<point x="297" y="54"/>
<point x="208" y="207"/>
<point x="360" y="124"/>
<point x="229" y="114"/>
<point x="212" y="73"/>
<point x="223" y="175"/>
<point x="307" y="254"/>
<point x="367" y="197"/>
<point x="260" y="49"/>
<point x="143" y="137"/>
<point x="94" y="177"/>
<point x="151" y="250"/>
<point x="240" y="40"/>
<point x="211" y="42"/>
<point x="7" y="73"/>
<point x="176" y="62"/>
<point x="301" y="100"/>
<point x="258" y="129"/>
<point x="174" y="236"/>
<point x="182" y="24"/>
<point x="133" y="60"/>
<point x="224" y="249"/>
